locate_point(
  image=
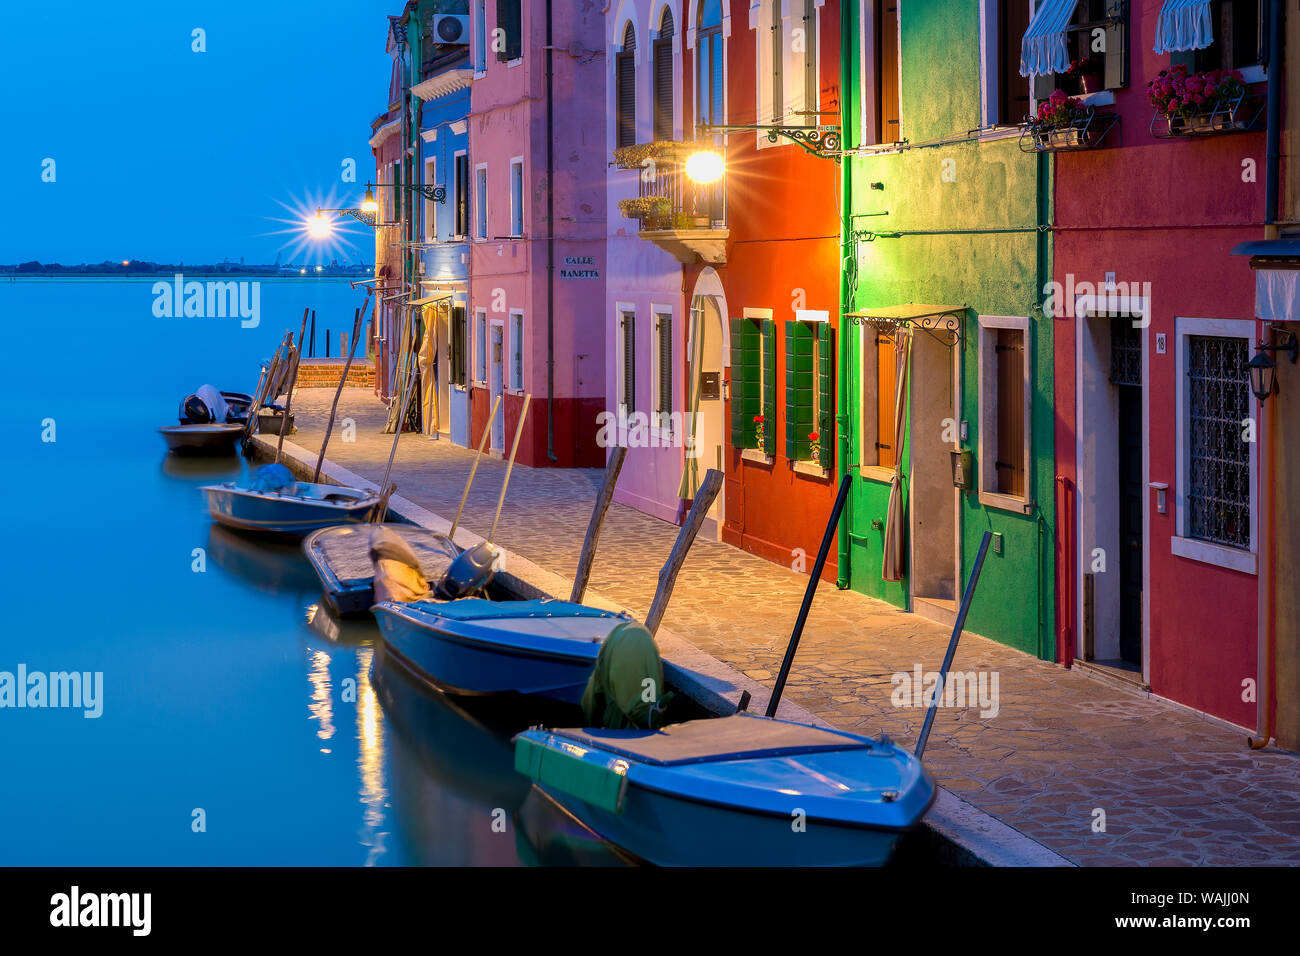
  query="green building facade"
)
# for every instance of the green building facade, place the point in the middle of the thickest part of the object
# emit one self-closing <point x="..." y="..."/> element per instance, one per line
<point x="945" y="254"/>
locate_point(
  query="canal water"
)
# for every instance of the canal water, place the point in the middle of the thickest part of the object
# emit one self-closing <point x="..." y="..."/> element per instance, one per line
<point x="237" y="724"/>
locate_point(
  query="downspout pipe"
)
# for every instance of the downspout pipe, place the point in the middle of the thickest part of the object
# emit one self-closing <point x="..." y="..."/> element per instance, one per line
<point x="550" y="239"/>
<point x="848" y="24"/>
<point x="1273" y="138"/>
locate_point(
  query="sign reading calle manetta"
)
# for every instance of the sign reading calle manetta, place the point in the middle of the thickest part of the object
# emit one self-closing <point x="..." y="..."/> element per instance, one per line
<point x="579" y="267"/>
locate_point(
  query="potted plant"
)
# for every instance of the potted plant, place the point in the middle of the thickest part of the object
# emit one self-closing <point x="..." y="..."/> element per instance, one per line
<point x="1197" y="102"/>
<point x="652" y="211"/>
<point x="1060" y="122"/>
<point x="758" y="430"/>
<point x="815" y="447"/>
<point x="1087" y="73"/>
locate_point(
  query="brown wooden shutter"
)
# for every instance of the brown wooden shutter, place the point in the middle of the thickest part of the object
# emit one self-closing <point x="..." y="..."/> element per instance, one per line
<point x="665" y="325"/>
<point x="1013" y="89"/>
<point x="1010" y="462"/>
<point x="629" y="361"/>
<point x="886" y="370"/>
<point x="887" y="70"/>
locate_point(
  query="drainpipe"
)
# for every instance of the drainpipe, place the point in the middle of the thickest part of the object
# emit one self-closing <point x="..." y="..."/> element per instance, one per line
<point x="550" y="241"/>
<point x="1274" y="109"/>
<point x="847" y="26"/>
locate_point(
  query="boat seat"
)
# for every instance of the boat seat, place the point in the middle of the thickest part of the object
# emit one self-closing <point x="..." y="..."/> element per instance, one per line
<point x="738" y="737"/>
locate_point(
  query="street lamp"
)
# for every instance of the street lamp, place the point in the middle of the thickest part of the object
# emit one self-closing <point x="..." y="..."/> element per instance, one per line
<point x="705" y="166"/>
<point x="368" y="204"/>
<point x="1263" y="369"/>
<point x="318" y="227"/>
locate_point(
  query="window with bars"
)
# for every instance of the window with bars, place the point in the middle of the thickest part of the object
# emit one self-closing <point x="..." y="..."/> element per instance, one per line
<point x="627" y="363"/>
<point x="456" y="366"/>
<point x="625" y="89"/>
<point x="510" y="22"/>
<point x="516" y="350"/>
<point x="1218" y="457"/>
<point x="663" y="369"/>
<point x="480" y="346"/>
<point x="663" y="79"/>
<point x="1125" y="351"/>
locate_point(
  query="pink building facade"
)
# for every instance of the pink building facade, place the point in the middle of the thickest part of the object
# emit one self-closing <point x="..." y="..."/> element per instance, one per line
<point x="537" y="229"/>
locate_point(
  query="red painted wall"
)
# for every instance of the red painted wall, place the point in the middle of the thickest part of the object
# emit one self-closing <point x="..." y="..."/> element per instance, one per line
<point x="1166" y="212"/>
<point x="783" y="214"/>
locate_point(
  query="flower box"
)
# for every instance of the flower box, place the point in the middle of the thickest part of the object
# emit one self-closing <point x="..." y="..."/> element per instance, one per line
<point x="1200" y="104"/>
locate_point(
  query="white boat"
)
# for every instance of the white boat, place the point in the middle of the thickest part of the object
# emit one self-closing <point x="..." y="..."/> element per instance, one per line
<point x="733" y="791"/>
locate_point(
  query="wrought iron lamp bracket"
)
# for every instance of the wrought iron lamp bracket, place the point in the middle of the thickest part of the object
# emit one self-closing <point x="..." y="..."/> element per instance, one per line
<point x="946" y="328"/>
<point x="821" y="140"/>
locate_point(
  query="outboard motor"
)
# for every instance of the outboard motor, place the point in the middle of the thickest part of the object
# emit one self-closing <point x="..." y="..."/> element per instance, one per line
<point x="195" y="411"/>
<point x="471" y="572"/>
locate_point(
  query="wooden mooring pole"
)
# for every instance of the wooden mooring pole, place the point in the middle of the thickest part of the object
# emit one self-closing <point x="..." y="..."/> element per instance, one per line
<point x="709" y="489"/>
<point x="597" y="522"/>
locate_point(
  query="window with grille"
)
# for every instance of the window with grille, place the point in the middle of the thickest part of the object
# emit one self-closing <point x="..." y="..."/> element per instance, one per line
<point x="627" y="381"/>
<point x="1125" y="351"/>
<point x="1218" y="457"/>
<point x="456" y="368"/>
<point x="517" y="350"/>
<point x="625" y="90"/>
<point x="480" y="347"/>
<point x="663" y="79"/>
<point x="664" y="369"/>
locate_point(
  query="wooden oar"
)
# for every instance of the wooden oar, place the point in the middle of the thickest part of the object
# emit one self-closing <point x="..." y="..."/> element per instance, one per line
<point x="357" y="316"/>
<point x="519" y="431"/>
<point x="464" y="495"/>
<point x="685" y="538"/>
<point x="597" y="522"/>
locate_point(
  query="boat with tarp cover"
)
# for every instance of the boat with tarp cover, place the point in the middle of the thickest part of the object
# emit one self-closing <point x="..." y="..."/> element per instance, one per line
<point x="741" y="790"/>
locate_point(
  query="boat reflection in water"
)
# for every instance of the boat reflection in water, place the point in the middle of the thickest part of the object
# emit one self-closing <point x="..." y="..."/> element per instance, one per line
<point x="472" y="804"/>
<point x="203" y="469"/>
<point x="269" y="565"/>
<point x="347" y="633"/>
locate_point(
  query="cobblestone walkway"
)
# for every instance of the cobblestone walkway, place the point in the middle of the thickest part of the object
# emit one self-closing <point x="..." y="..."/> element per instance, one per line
<point x="1175" y="789"/>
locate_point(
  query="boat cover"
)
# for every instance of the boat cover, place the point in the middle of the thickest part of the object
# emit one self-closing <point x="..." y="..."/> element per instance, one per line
<point x="215" y="401"/>
<point x="480" y="609"/>
<point x="398" y="576"/>
<point x="274" y="477"/>
<point x="738" y="737"/>
<point x="626" y="687"/>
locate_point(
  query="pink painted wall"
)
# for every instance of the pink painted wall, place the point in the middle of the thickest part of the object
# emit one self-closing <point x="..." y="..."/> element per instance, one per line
<point x="1167" y="212"/>
<point x="508" y="120"/>
<point x="640" y="274"/>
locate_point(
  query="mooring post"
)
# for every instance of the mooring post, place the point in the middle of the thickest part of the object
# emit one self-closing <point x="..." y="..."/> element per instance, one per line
<point x="597" y="522"/>
<point x="709" y="488"/>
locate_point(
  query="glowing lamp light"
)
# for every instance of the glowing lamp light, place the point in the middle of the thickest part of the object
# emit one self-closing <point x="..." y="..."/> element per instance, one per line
<point x="368" y="204"/>
<point x="126" y="262"/>
<point x="705" y="166"/>
<point x="318" y="227"/>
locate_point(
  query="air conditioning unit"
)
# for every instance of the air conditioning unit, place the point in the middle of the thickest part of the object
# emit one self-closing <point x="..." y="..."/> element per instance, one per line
<point x="450" y="29"/>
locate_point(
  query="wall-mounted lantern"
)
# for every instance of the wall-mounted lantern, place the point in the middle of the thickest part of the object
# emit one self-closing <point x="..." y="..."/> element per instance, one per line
<point x="1263" y="369"/>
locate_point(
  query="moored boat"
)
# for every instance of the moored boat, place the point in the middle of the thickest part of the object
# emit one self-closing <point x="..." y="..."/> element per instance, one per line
<point x="742" y="790"/>
<point x="276" y="502"/>
<point x="210" y="439"/>
<point x="341" y="557"/>
<point x="476" y="646"/>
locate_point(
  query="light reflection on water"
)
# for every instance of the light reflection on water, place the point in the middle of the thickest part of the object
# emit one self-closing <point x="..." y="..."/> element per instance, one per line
<point x="219" y="693"/>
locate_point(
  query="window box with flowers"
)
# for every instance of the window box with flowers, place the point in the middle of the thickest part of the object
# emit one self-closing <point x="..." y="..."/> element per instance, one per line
<point x="1086" y="75"/>
<point x="1200" y="104"/>
<point x="1064" y="123"/>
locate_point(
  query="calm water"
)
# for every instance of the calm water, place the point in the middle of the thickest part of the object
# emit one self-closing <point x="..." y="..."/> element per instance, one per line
<point x="218" y="694"/>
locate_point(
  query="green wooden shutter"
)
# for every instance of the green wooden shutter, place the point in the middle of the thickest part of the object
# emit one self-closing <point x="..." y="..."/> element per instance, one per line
<point x="768" y="350"/>
<point x="746" y="385"/>
<point x="826" y="393"/>
<point x="799" y="343"/>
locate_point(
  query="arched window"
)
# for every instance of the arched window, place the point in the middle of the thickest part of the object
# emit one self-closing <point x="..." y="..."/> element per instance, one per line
<point x="625" y="89"/>
<point x="708" y="63"/>
<point x="663" y="79"/>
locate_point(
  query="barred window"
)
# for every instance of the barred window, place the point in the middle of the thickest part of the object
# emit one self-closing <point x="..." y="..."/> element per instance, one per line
<point x="1218" y="464"/>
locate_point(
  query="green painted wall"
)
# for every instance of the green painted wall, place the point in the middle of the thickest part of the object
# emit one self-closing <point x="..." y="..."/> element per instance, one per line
<point x="966" y="215"/>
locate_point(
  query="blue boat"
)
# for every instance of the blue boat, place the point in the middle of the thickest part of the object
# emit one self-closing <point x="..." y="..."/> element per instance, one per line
<point x="477" y="646"/>
<point x="296" y="507"/>
<point x="742" y="790"/>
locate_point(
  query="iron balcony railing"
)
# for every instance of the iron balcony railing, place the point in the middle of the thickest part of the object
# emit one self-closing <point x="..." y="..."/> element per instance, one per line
<point x="668" y="199"/>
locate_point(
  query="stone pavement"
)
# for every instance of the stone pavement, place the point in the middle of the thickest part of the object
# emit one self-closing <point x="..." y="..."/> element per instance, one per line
<point x="1176" y="789"/>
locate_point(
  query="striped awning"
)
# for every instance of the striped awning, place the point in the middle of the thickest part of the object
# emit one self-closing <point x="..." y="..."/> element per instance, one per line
<point x="1043" y="50"/>
<point x="1184" y="25"/>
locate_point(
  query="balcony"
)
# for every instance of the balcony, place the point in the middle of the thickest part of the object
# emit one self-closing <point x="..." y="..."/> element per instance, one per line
<point x="685" y="218"/>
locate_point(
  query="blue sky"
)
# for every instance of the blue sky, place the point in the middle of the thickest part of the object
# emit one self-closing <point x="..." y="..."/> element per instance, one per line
<point x="166" y="154"/>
